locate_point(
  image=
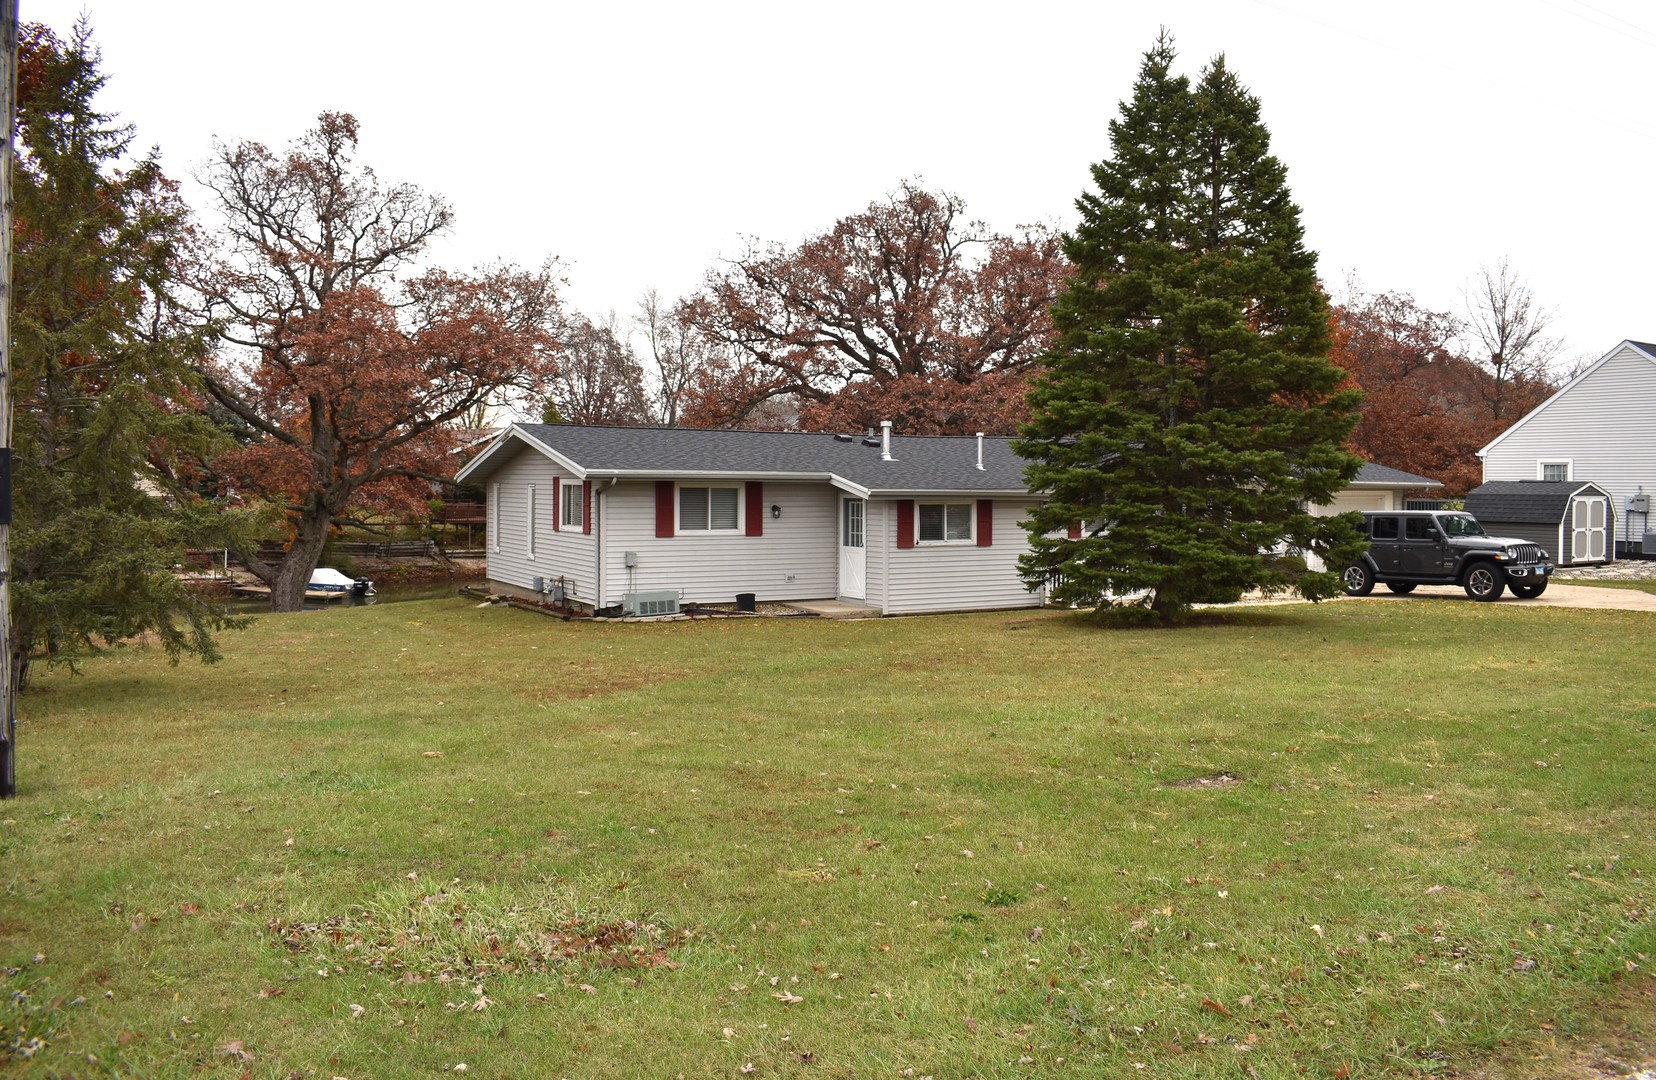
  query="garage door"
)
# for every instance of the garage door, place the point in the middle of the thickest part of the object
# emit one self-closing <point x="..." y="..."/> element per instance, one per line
<point x="1346" y="501"/>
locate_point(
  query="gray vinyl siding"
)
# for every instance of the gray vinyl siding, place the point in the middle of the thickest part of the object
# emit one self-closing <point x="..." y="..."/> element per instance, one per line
<point x="1602" y="426"/>
<point x="567" y="554"/>
<point x="880" y="534"/>
<point x="950" y="577"/>
<point x="797" y="558"/>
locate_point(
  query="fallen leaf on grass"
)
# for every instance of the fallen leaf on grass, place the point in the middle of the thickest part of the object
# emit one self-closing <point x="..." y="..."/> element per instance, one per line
<point x="271" y="992"/>
<point x="432" y="753"/>
<point x="1434" y="889"/>
<point x="235" y="1049"/>
<point x="1216" y="1006"/>
<point x="357" y="1011"/>
<point x="788" y="999"/>
<point x="748" y="1070"/>
<point x="190" y="909"/>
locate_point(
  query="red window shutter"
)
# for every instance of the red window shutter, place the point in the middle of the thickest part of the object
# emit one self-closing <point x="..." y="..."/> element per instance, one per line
<point x="1075" y="530"/>
<point x="557" y="504"/>
<point x="755" y="508"/>
<point x="586" y="506"/>
<point x="986" y="522"/>
<point x="664" y="508"/>
<point x="905" y="523"/>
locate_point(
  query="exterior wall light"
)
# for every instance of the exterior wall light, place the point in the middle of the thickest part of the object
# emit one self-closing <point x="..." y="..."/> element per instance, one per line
<point x="776" y="510"/>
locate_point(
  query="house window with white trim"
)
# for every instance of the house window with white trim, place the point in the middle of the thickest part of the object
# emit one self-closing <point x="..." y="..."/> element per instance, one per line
<point x="1553" y="470"/>
<point x="944" y="523"/>
<point x="572" y="506"/>
<point x="529" y="522"/>
<point x="704" y="509"/>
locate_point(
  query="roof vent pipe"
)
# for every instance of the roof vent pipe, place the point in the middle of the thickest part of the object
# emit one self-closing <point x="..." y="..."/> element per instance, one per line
<point x="885" y="440"/>
<point x="980" y="451"/>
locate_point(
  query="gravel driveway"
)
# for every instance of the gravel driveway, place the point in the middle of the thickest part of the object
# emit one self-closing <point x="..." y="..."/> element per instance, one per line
<point x="1569" y="588"/>
<point x="1559" y="594"/>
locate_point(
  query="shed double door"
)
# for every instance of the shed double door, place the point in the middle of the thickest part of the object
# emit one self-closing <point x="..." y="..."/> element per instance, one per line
<point x="1589" y="529"/>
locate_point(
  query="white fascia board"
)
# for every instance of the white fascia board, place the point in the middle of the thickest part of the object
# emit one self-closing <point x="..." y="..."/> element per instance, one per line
<point x="1561" y="391"/>
<point x="485" y="455"/>
<point x="848" y="486"/>
<point x="954" y="493"/>
<point x="476" y="465"/>
<point x="703" y="474"/>
<point x="1389" y="485"/>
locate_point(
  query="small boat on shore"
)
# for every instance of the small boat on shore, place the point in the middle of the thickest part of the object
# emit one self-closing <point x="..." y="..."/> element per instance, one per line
<point x="328" y="580"/>
<point x="325" y="584"/>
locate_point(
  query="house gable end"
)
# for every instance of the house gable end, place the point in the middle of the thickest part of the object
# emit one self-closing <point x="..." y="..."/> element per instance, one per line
<point x="1627" y="350"/>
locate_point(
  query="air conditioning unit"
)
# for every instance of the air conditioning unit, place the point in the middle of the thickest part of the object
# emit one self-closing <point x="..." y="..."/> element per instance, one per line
<point x="661" y="602"/>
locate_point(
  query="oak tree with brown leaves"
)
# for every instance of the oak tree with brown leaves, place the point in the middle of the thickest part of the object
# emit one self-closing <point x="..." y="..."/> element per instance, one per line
<point x="598" y="379"/>
<point x="346" y="377"/>
<point x="895" y="313"/>
<point x="1420" y="410"/>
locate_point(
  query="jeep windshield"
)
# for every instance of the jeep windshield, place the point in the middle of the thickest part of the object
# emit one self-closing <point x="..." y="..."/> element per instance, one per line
<point x="1460" y="525"/>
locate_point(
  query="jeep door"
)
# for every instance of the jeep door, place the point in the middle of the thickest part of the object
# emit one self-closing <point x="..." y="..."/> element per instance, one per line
<point x="1384" y="533"/>
<point x="1422" y="550"/>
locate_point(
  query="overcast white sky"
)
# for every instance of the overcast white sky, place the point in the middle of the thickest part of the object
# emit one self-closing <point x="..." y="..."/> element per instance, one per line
<point x="640" y="142"/>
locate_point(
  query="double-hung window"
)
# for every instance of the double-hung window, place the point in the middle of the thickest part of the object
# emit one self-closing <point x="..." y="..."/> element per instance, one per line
<point x="1554" y="470"/>
<point x="570" y="512"/>
<point x="703" y="509"/>
<point x="944" y="523"/>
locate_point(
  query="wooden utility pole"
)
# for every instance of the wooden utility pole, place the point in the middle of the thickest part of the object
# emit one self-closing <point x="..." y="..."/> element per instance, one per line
<point x="8" y="150"/>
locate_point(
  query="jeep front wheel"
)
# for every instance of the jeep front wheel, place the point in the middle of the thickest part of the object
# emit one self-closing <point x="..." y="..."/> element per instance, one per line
<point x="1485" y="582"/>
<point x="1527" y="592"/>
<point x="1358" y="579"/>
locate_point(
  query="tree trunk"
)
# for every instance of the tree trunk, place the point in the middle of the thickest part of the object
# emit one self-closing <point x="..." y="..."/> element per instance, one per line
<point x="287" y="589"/>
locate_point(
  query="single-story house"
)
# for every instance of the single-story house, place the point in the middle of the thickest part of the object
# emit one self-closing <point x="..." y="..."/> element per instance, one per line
<point x="1595" y="428"/>
<point x="1572" y="519"/>
<point x="616" y="516"/>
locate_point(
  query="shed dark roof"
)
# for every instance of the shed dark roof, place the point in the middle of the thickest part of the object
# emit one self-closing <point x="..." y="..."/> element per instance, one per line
<point x="1371" y="473"/>
<point x="1540" y="502"/>
<point x="1645" y="345"/>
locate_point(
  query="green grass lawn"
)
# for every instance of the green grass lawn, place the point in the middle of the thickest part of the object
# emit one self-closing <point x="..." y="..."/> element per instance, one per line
<point x="1357" y="839"/>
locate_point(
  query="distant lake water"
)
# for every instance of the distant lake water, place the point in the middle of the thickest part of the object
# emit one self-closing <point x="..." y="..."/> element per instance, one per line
<point x="385" y="594"/>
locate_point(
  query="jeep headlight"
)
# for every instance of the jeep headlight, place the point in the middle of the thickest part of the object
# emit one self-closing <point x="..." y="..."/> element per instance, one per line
<point x="1511" y="553"/>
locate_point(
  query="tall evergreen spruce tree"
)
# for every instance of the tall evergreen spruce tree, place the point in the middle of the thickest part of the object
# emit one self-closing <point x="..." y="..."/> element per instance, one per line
<point x="103" y="434"/>
<point x="1187" y="412"/>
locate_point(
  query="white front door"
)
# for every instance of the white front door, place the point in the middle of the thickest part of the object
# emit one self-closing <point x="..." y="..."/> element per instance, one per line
<point x="853" y="560"/>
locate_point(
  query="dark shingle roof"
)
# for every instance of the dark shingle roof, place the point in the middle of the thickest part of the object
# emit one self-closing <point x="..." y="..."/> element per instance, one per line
<point x="1371" y="473"/>
<point x="1541" y="502"/>
<point x="1645" y="345"/>
<point x="920" y="463"/>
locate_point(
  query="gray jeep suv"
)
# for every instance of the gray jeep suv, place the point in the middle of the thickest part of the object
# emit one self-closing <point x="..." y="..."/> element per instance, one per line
<point x="1445" y="547"/>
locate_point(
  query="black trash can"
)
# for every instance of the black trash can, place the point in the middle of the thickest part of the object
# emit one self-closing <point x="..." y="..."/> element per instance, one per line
<point x="746" y="601"/>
